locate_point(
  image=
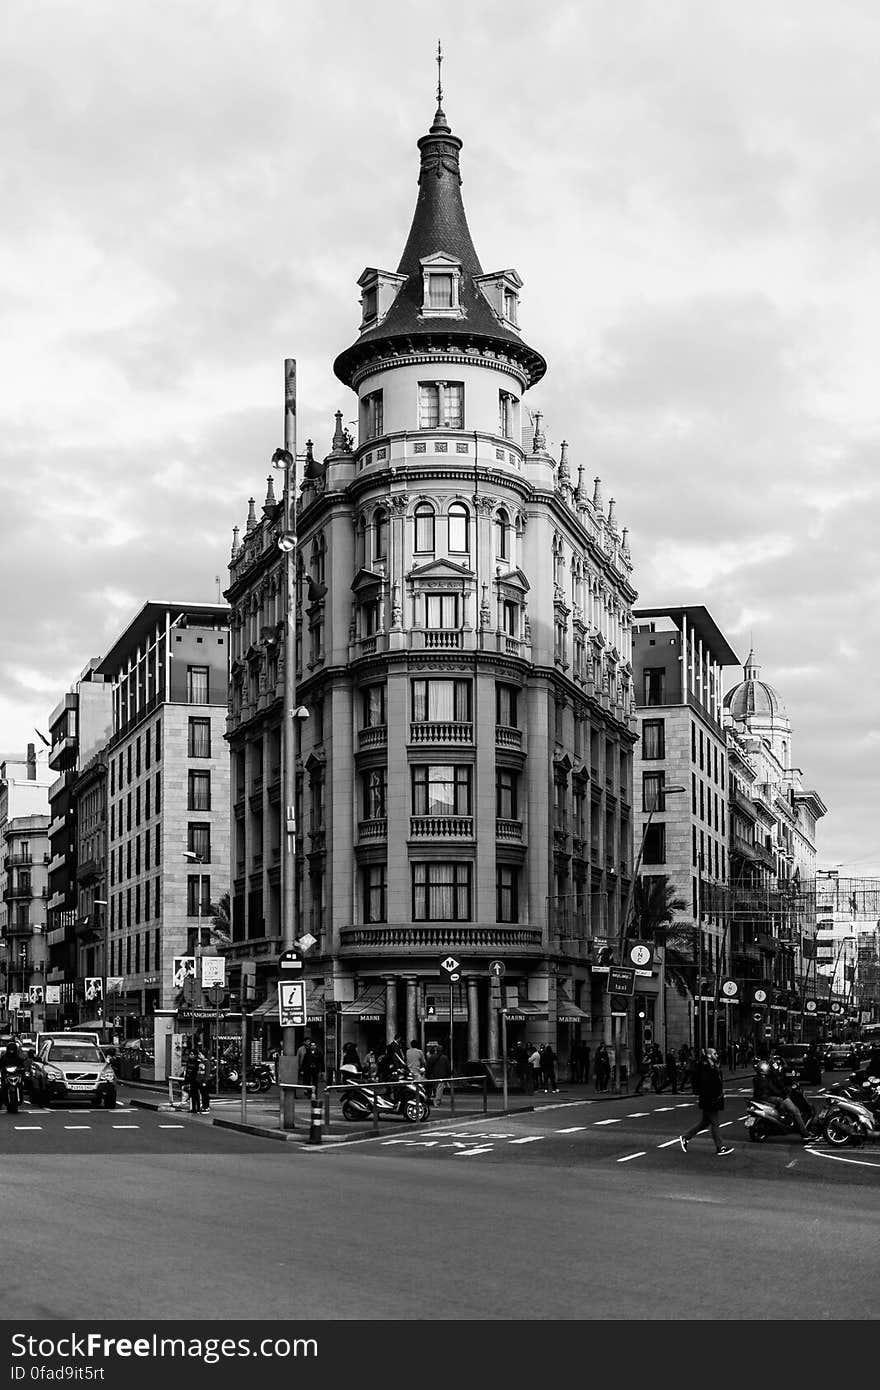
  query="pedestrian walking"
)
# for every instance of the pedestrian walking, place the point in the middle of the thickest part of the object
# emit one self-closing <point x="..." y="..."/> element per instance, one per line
<point x="708" y="1086"/>
<point x="521" y="1062"/>
<point x="548" y="1069"/>
<point x="350" y="1065"/>
<point x="311" y="1066"/>
<point x="535" y="1066"/>
<point x="415" y="1059"/>
<point x="439" y="1070"/>
<point x="602" y="1067"/>
<point x="643" y="1068"/>
<point x="672" y="1071"/>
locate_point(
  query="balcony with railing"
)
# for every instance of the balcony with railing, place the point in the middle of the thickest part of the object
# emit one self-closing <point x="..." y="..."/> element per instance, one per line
<point x="375" y="828"/>
<point x="427" y="940"/>
<point x="441" y="827"/>
<point x="441" y="731"/>
<point x="506" y="737"/>
<point x="374" y="736"/>
<point x="508" y="829"/>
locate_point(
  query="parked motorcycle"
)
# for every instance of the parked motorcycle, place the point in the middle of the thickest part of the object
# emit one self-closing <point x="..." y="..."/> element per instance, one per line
<point x="11" y="1088"/>
<point x="853" y="1112"/>
<point x="408" y="1099"/>
<point x="766" y="1119"/>
<point x="260" y="1077"/>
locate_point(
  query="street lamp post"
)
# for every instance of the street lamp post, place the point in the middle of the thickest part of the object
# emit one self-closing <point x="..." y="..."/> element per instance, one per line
<point x="103" y="904"/>
<point x="658" y="804"/>
<point x="194" y="858"/>
<point x="287" y="459"/>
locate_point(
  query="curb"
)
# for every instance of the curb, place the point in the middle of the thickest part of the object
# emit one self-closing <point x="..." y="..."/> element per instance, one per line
<point x="284" y="1135"/>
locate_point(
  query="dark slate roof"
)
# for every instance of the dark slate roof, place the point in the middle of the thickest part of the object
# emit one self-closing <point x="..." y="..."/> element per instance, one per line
<point x="439" y="224"/>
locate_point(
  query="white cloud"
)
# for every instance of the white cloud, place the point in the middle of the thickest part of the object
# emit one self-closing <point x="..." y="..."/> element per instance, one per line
<point x="689" y="191"/>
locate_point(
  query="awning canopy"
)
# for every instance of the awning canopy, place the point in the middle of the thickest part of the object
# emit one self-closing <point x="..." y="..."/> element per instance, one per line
<point x="567" y="1011"/>
<point x="369" y="1007"/>
<point x="522" y="1012"/>
<point x="315" y="995"/>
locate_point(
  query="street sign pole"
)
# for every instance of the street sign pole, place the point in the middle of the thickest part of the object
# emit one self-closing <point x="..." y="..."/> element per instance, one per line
<point x="504" y="1056"/>
<point x="452" y="1067"/>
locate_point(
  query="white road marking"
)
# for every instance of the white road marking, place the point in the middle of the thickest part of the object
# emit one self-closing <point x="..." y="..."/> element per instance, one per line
<point x="683" y="1105"/>
<point x="640" y="1154"/>
<point x="660" y="1108"/>
<point x="28" y="1126"/>
<point x="531" y="1139"/>
<point x="839" y="1158"/>
<point x="725" y="1123"/>
<point x="668" y="1144"/>
<point x="77" y="1126"/>
<point x="574" y="1129"/>
<point x="606" y="1122"/>
<point x="633" y="1115"/>
<point x="172" y="1126"/>
<point x="469" y="1153"/>
<point x="126" y="1126"/>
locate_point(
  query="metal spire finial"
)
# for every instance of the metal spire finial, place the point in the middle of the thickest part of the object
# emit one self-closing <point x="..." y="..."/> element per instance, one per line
<point x="439" y="73"/>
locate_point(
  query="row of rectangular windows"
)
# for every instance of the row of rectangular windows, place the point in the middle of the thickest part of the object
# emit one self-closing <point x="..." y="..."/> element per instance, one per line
<point x="441" y="892"/>
<point x="128" y="907"/>
<point x="124" y="961"/>
<point x="127" y="766"/>
<point x="441" y="405"/>
<point x="122" y="861"/>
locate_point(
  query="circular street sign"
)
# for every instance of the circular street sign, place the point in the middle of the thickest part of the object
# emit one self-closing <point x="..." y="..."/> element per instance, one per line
<point x="757" y="1017"/>
<point x="640" y="955"/>
<point x="729" y="988"/>
<point x="810" y="1006"/>
<point x="497" y="968"/>
<point x="760" y="996"/>
<point x="454" y="976"/>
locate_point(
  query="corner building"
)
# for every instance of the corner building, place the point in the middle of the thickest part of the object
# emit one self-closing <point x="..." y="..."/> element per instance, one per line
<point x="464" y="627"/>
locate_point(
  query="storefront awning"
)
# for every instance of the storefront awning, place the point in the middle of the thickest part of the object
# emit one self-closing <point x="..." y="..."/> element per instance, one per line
<point x="268" y="1010"/>
<point x="369" y="1007"/>
<point x="524" y="1012"/>
<point x="566" y="1012"/>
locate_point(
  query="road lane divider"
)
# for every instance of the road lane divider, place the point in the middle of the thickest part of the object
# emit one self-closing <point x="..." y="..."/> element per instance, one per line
<point x="606" y="1122"/>
<point x="627" y="1157"/>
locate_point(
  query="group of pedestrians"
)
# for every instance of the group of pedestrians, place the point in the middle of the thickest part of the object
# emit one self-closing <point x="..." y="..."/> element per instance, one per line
<point x="536" y="1067"/>
<point x="196" y="1079"/>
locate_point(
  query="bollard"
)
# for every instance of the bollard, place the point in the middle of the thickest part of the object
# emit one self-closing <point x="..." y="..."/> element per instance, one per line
<point x="317" y="1120"/>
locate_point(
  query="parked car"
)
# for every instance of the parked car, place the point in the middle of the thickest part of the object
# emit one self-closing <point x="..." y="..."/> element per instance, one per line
<point x="72" y="1071"/>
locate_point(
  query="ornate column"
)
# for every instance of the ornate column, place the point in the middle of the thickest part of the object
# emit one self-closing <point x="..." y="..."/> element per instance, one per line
<point x="492" y="1040"/>
<point x="412" y="1015"/>
<point x="473" y="1021"/>
<point x="390" y="1006"/>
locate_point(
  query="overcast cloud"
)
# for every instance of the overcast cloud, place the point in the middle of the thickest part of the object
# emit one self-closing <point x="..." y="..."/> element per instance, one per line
<point x="690" y="192"/>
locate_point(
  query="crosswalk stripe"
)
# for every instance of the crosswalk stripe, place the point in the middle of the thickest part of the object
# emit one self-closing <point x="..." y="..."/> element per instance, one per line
<point x="530" y="1139"/>
<point x="470" y="1153"/>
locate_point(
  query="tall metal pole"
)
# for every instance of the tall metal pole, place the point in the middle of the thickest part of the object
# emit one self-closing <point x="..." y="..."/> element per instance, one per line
<point x="287" y="1061"/>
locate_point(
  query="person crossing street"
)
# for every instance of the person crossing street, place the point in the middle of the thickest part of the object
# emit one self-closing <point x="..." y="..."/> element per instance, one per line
<point x="708" y="1086"/>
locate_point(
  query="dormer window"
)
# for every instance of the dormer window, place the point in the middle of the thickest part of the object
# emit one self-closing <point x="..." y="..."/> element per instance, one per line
<point x="510" y="303"/>
<point x="440" y="291"/>
<point x="369" y="302"/>
<point x="501" y="289"/>
<point x="441" y="282"/>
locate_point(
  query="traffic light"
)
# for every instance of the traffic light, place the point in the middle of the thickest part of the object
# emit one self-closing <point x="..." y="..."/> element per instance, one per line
<point x="641" y="1010"/>
<point x="648" y="1034"/>
<point x="248" y="980"/>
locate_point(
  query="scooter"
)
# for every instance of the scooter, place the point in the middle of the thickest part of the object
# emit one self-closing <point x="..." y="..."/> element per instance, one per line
<point x="766" y="1119"/>
<point x="259" y="1077"/>
<point x="11" y="1088"/>
<point x="407" y="1098"/>
<point x="852" y="1116"/>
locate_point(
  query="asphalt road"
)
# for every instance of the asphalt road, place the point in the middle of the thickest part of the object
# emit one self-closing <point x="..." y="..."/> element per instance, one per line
<point x="550" y="1214"/>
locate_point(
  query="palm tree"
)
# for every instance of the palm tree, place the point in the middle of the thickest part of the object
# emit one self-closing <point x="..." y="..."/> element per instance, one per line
<point x="654" y="907"/>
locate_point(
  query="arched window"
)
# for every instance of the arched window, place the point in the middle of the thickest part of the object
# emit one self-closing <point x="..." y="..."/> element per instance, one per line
<point x="502" y="535"/>
<point x="459" y="528"/>
<point x="424" y="539"/>
<point x="380" y="534"/>
<point x="316" y="563"/>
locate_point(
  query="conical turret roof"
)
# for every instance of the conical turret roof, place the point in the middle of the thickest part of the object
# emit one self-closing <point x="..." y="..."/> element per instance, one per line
<point x="439" y="225"/>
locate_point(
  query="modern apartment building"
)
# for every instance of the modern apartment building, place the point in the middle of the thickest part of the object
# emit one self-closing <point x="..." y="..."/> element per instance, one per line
<point x="167" y="796"/>
<point x="464" y="778"/>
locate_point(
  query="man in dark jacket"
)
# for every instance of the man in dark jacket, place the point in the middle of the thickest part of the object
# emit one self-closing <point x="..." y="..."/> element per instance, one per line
<point x="708" y="1086"/>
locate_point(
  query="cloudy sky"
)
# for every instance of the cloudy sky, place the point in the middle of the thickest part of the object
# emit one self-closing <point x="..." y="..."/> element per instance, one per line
<point x="690" y="191"/>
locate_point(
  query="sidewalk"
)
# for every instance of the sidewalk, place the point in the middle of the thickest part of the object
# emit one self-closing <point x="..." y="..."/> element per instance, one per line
<point x="263" y="1117"/>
